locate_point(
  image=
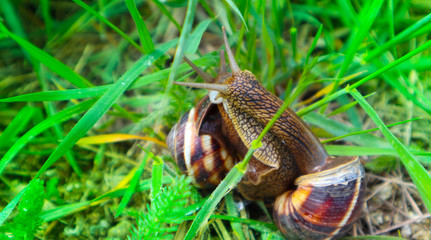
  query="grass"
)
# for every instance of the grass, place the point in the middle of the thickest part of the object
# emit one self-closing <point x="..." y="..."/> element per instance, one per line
<point x="83" y="83"/>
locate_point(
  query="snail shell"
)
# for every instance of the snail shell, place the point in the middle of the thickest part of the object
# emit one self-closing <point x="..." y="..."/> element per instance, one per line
<point x="201" y="157"/>
<point x="325" y="204"/>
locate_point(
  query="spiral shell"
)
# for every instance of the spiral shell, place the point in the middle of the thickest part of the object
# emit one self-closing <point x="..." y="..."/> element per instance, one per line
<point x="201" y="157"/>
<point x="325" y="204"/>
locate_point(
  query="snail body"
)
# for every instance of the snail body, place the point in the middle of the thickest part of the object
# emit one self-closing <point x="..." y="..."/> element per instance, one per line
<point x="330" y="190"/>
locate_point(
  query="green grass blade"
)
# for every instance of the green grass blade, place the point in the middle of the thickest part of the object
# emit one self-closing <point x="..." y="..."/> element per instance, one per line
<point x="343" y="91"/>
<point x="359" y="36"/>
<point x="59" y="95"/>
<point x="47" y="19"/>
<point x="68" y="209"/>
<point x="345" y="107"/>
<point x="102" y="106"/>
<point x="132" y="186"/>
<point x="12" y="18"/>
<point x="337" y="128"/>
<point x="344" y="150"/>
<point x="167" y="13"/>
<point x="179" y="53"/>
<point x="144" y="35"/>
<point x="10" y="206"/>
<point x="417" y="172"/>
<point x="61" y="116"/>
<point x="366" y="131"/>
<point x="233" y="212"/>
<point x="17" y="125"/>
<point x="50" y="62"/>
<point x="228" y="183"/>
<point x="403" y="36"/>
<point x="312" y="47"/>
<point x="156" y="178"/>
<point x="236" y="10"/>
<point x="195" y="37"/>
<point x="104" y="20"/>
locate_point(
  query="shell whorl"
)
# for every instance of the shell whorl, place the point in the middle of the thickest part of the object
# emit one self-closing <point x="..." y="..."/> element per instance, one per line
<point x="325" y="204"/>
<point x="201" y="157"/>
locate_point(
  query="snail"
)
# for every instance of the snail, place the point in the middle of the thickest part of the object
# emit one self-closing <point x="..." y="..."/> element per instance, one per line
<point x="329" y="193"/>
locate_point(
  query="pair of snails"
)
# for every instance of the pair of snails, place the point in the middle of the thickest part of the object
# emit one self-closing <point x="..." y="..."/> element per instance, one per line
<point x="217" y="133"/>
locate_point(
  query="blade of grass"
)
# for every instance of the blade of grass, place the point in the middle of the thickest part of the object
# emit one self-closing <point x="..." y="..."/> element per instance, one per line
<point x="403" y="36"/>
<point x="167" y="13"/>
<point x="61" y="116"/>
<point x="236" y="10"/>
<point x="343" y="150"/>
<point x="156" y="177"/>
<point x="195" y="37"/>
<point x="343" y="91"/>
<point x="366" y="131"/>
<point x="346" y="107"/>
<point x="179" y="53"/>
<point x="233" y="211"/>
<point x="144" y="35"/>
<point x="109" y="24"/>
<point x="47" y="19"/>
<point x="132" y="186"/>
<point x="68" y="209"/>
<point x="61" y="95"/>
<point x="19" y="122"/>
<point x="10" y="206"/>
<point x="50" y="62"/>
<point x="358" y="37"/>
<point x="312" y="47"/>
<point x="102" y="105"/>
<point x="228" y="183"/>
<point x="116" y="137"/>
<point x="417" y="172"/>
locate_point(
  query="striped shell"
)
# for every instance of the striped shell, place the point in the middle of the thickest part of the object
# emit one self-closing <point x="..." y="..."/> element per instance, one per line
<point x="325" y="204"/>
<point x="200" y="157"/>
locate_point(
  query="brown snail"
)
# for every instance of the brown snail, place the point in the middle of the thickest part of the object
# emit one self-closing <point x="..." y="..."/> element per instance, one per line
<point x="330" y="190"/>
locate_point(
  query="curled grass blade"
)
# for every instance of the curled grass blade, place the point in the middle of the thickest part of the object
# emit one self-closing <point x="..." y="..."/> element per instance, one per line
<point x="417" y="172"/>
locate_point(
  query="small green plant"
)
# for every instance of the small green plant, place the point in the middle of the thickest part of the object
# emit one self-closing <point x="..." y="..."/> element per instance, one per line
<point x="168" y="209"/>
<point x="27" y="222"/>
